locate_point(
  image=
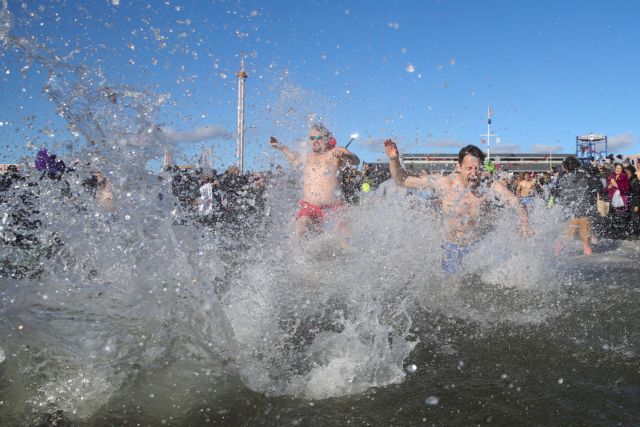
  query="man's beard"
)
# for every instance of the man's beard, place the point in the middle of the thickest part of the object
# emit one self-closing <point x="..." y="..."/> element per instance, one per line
<point x="318" y="149"/>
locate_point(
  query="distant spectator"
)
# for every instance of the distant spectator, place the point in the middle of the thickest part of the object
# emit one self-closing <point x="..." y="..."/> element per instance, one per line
<point x="104" y="194"/>
<point x="618" y="188"/>
<point x="49" y="164"/>
<point x="634" y="200"/>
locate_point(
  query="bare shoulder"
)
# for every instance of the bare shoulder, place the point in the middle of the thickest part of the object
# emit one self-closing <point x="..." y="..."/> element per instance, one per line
<point x="438" y="182"/>
<point x="444" y="181"/>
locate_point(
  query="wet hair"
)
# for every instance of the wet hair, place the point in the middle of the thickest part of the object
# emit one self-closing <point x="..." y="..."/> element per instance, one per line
<point x="571" y="164"/>
<point x="322" y="129"/>
<point x="470" y="150"/>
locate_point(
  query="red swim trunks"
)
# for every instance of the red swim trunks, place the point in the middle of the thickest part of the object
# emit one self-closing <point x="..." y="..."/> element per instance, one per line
<point x="318" y="214"/>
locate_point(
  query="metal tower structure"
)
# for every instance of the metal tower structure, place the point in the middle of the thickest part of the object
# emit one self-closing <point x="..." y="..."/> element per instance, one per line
<point x="591" y="145"/>
<point x="168" y="160"/>
<point x="242" y="76"/>
<point x="489" y="134"/>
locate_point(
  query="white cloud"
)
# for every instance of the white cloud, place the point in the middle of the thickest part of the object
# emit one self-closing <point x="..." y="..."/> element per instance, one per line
<point x="371" y="144"/>
<point x="445" y="143"/>
<point x="622" y="143"/>
<point x="199" y="134"/>
<point x="547" y="148"/>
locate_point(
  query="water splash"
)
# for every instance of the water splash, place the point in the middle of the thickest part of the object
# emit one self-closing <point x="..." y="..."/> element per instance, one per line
<point x="140" y="303"/>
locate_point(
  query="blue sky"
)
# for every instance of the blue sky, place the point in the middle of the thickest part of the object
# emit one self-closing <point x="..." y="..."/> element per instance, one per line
<point x="422" y="72"/>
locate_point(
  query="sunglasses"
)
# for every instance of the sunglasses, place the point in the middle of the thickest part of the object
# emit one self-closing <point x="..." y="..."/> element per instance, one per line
<point x="316" y="138"/>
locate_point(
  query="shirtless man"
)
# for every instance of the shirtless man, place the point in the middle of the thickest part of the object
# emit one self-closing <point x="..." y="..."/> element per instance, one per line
<point x="321" y="170"/>
<point x="525" y="189"/>
<point x="464" y="197"/>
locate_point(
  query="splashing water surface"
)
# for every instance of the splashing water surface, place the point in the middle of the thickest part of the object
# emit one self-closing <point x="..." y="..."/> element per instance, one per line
<point x="140" y="316"/>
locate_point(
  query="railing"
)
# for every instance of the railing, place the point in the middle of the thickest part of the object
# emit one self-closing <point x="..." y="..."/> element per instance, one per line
<point x="508" y="162"/>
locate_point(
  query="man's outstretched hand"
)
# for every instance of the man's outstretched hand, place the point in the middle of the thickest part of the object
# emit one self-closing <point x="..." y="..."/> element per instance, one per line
<point x="391" y="149"/>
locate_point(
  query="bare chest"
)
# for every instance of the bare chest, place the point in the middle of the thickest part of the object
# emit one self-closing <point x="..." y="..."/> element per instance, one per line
<point x="321" y="168"/>
<point x="463" y="203"/>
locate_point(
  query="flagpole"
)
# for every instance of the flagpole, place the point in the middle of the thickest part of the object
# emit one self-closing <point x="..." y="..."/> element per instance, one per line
<point x="489" y="133"/>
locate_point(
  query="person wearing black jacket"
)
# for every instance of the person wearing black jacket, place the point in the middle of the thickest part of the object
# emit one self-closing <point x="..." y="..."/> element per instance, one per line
<point x="575" y="194"/>
<point x="634" y="201"/>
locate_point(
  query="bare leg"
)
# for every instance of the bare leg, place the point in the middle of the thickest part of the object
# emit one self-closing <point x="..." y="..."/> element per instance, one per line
<point x="584" y="230"/>
<point x="569" y="232"/>
<point x="302" y="227"/>
<point x="580" y="226"/>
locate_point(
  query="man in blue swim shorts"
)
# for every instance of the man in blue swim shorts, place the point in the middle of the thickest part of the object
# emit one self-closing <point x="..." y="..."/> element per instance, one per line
<point x="465" y="200"/>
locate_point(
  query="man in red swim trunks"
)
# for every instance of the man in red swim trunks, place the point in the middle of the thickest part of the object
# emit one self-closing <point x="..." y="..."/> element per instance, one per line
<point x="321" y="167"/>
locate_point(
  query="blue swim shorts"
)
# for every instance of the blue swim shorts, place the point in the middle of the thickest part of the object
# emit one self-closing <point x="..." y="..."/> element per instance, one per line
<point x="453" y="256"/>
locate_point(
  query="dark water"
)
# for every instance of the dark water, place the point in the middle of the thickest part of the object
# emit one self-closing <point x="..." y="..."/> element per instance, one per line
<point x="580" y="367"/>
<point x="576" y="365"/>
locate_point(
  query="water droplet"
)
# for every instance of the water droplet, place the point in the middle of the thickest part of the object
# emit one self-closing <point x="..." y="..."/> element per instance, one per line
<point x="410" y="68"/>
<point x="504" y="376"/>
<point x="127" y="217"/>
<point x="432" y="400"/>
<point x="560" y="380"/>
<point x="412" y="368"/>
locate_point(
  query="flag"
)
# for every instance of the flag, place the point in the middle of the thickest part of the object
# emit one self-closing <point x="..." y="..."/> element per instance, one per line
<point x="489" y="114"/>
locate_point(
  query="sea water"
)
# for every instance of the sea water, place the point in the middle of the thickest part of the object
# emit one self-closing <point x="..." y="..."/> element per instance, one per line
<point x="139" y="317"/>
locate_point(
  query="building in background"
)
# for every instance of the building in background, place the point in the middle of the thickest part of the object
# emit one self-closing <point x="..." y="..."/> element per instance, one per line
<point x="527" y="162"/>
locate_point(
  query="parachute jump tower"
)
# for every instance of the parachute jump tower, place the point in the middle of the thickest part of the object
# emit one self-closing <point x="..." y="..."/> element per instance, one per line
<point x="242" y="76"/>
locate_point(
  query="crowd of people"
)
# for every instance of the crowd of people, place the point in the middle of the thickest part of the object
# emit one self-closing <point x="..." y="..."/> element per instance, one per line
<point x="230" y="198"/>
<point x="601" y="199"/>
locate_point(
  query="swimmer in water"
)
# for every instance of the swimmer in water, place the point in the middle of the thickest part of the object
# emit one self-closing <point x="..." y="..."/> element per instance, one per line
<point x="321" y="187"/>
<point x="526" y="189"/>
<point x="465" y="200"/>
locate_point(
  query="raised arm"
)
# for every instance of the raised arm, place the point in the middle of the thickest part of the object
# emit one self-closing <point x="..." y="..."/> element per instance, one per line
<point x="290" y="155"/>
<point x="510" y="199"/>
<point x="345" y="155"/>
<point x="400" y="176"/>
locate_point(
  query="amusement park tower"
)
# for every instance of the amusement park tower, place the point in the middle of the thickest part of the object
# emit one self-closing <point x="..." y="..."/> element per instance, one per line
<point x="242" y="76"/>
